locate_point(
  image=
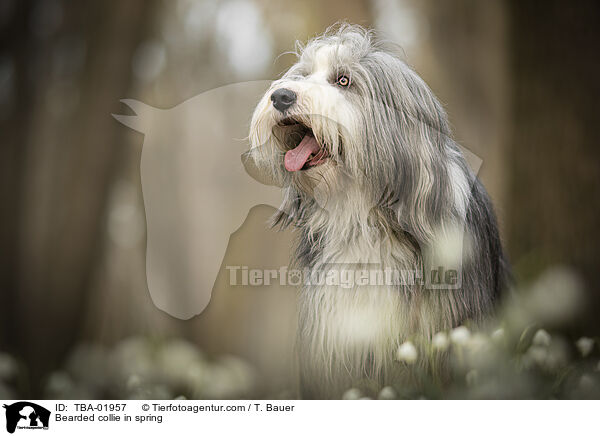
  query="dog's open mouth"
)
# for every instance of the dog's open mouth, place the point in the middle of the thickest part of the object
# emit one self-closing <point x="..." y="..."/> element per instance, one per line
<point x="303" y="149"/>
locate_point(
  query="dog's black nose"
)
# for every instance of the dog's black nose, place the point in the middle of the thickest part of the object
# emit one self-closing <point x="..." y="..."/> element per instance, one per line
<point x="283" y="98"/>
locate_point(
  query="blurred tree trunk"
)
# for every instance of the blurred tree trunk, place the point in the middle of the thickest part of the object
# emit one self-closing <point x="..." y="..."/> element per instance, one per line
<point x="554" y="155"/>
<point x="60" y="149"/>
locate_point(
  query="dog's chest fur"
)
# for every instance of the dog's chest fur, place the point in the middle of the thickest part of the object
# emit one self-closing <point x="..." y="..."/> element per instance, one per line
<point x="352" y="327"/>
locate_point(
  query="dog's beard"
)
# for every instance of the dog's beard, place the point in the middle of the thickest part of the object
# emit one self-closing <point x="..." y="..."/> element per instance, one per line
<point x="306" y="152"/>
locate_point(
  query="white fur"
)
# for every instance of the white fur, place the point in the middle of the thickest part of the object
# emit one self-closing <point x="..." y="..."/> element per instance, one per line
<point x="395" y="193"/>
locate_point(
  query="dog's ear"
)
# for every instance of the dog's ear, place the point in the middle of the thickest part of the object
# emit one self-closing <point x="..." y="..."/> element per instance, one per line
<point x="433" y="210"/>
<point x="426" y="172"/>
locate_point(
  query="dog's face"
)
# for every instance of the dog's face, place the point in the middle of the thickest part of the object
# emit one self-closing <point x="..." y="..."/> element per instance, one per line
<point x="351" y="111"/>
<point x="310" y="123"/>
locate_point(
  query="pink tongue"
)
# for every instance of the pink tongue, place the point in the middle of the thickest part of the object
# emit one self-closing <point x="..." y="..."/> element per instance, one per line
<point x="296" y="158"/>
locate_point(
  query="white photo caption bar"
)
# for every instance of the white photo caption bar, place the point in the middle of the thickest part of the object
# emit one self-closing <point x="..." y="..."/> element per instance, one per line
<point x="297" y="417"/>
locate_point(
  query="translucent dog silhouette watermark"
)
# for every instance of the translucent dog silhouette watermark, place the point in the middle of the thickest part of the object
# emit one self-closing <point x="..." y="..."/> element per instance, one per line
<point x="198" y="186"/>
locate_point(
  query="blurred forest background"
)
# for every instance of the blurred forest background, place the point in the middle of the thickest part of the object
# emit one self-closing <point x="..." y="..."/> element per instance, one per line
<point x="519" y="80"/>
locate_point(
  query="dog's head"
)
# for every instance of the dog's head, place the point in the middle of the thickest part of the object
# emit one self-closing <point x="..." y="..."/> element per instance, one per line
<point x="351" y="112"/>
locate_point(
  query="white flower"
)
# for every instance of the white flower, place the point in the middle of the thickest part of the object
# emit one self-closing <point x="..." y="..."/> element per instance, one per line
<point x="498" y="334"/>
<point x="472" y="377"/>
<point x="587" y="382"/>
<point x="8" y="367"/>
<point x="407" y="353"/>
<point x="549" y="356"/>
<point x="541" y="338"/>
<point x="227" y="377"/>
<point x="460" y="335"/>
<point x="585" y="345"/>
<point x="449" y="246"/>
<point x="556" y="297"/>
<point x="352" y="394"/>
<point x="440" y="341"/>
<point x="536" y="355"/>
<point x="179" y="362"/>
<point x="133" y="382"/>
<point x="61" y="384"/>
<point x="387" y="393"/>
<point x="478" y="342"/>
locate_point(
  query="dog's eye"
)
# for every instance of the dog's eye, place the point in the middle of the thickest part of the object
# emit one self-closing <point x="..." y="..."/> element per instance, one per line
<point x="343" y="81"/>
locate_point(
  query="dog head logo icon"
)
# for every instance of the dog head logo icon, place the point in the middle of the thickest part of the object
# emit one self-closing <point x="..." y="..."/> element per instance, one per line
<point x="26" y="415"/>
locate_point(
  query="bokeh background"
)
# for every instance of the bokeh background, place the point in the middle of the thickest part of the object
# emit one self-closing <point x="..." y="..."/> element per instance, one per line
<point x="519" y="80"/>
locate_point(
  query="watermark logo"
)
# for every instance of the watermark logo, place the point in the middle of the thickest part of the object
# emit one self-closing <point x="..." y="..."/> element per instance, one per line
<point x="198" y="186"/>
<point x="345" y="276"/>
<point x="26" y="415"/>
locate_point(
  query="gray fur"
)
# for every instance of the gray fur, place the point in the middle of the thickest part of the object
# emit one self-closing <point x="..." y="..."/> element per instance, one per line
<point x="397" y="185"/>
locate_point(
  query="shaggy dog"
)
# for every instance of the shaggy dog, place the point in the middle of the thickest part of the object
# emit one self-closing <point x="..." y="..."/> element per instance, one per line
<point x="375" y="186"/>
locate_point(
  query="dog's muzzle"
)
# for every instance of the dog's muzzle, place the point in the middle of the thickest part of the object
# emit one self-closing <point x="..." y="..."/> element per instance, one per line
<point x="283" y="98"/>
